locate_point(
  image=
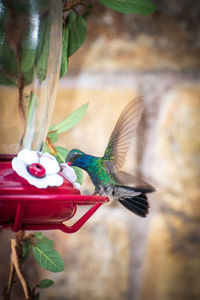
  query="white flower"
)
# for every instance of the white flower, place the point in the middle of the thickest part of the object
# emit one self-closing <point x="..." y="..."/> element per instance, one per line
<point x="39" y="169"/>
<point x="70" y="175"/>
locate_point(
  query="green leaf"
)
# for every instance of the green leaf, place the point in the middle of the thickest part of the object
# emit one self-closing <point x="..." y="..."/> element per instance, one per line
<point x="43" y="239"/>
<point x="53" y="135"/>
<point x="79" y="174"/>
<point x="45" y="283"/>
<point x="70" y="121"/>
<point x="47" y="257"/>
<point x="64" y="57"/>
<point x="26" y="250"/>
<point x="77" y="35"/>
<point x="61" y="154"/>
<point x="45" y="148"/>
<point x="141" y="7"/>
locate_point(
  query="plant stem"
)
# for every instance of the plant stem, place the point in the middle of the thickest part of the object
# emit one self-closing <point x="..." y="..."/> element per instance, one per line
<point x="16" y="253"/>
<point x="51" y="147"/>
<point x="16" y="263"/>
<point x="73" y="4"/>
<point x="11" y="274"/>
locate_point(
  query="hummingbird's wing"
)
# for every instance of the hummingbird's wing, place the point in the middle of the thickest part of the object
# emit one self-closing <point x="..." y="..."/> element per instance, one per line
<point x="139" y="185"/>
<point x="122" y="134"/>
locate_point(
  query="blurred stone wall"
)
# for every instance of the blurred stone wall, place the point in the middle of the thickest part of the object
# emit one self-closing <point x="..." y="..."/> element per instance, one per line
<point x="118" y="255"/>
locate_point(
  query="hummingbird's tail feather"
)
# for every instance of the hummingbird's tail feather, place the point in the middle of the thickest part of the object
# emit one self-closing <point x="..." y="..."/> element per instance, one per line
<point x="137" y="204"/>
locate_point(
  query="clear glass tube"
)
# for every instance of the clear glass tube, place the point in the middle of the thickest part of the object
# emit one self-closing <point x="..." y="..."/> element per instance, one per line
<point x="30" y="53"/>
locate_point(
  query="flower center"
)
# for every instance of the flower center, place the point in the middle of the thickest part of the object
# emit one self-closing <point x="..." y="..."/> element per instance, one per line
<point x="37" y="170"/>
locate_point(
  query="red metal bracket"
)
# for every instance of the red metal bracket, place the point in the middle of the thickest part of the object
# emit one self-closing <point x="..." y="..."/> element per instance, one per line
<point x="63" y="227"/>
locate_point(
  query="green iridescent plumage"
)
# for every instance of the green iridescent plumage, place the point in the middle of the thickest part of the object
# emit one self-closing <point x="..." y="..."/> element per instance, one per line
<point x="105" y="172"/>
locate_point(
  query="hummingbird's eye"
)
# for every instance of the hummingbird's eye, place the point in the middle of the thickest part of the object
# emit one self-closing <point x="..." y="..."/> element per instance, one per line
<point x="75" y="155"/>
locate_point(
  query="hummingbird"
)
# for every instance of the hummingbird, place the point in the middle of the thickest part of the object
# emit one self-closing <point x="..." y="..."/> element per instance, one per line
<point x="105" y="172"/>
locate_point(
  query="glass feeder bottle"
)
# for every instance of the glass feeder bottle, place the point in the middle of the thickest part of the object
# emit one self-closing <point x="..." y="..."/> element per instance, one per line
<point x="30" y="52"/>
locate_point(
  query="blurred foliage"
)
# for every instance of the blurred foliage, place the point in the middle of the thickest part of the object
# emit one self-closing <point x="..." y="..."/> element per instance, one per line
<point x="75" y="27"/>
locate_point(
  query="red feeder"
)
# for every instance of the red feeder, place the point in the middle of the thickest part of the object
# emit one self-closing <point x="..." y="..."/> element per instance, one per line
<point x="23" y="206"/>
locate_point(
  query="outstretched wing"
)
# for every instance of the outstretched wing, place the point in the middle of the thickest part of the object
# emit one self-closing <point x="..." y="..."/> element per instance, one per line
<point x="139" y="185"/>
<point x="122" y="134"/>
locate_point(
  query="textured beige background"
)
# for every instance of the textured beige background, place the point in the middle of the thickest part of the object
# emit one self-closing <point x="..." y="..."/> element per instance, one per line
<point x="117" y="255"/>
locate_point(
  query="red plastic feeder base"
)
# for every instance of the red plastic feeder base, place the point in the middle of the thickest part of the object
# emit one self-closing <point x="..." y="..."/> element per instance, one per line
<point x="23" y="206"/>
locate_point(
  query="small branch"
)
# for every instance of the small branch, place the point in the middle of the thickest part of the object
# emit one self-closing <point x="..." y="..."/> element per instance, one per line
<point x="73" y="4"/>
<point x="15" y="268"/>
<point x="11" y="274"/>
<point x="51" y="147"/>
<point x="15" y="261"/>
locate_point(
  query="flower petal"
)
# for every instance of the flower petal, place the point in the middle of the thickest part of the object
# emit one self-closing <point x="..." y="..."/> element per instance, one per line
<point x="55" y="180"/>
<point x="68" y="173"/>
<point x="77" y="185"/>
<point x="50" y="164"/>
<point x="28" y="156"/>
<point x="41" y="183"/>
<point x="37" y="182"/>
<point x="21" y="169"/>
<point x="19" y="166"/>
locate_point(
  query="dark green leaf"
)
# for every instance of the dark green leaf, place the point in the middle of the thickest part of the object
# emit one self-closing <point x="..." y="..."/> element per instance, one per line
<point x="27" y="60"/>
<point x="26" y="249"/>
<point x="47" y="257"/>
<point x="4" y="13"/>
<point x="70" y="19"/>
<point x="64" y="57"/>
<point x="77" y="35"/>
<point x="8" y="58"/>
<point x="36" y="296"/>
<point x="43" y="239"/>
<point x="61" y="154"/>
<point x="24" y="7"/>
<point x="43" y="47"/>
<point x="28" y="76"/>
<point x="141" y="7"/>
<point x="79" y="174"/>
<point x="45" y="283"/>
<point x="28" y="48"/>
<point x="71" y="120"/>
<point x="4" y="80"/>
<point x="88" y="12"/>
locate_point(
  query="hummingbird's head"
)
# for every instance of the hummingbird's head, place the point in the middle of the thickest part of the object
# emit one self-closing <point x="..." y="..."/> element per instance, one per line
<point x="74" y="157"/>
